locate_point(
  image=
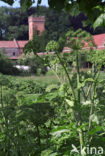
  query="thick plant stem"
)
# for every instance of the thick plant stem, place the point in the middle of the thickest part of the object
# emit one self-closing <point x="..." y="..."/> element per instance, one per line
<point x="78" y="76"/>
<point x="78" y="103"/>
<point x="66" y="72"/>
<point x="78" y="89"/>
<point x="1" y="97"/>
<point x="93" y="98"/>
<point x="81" y="142"/>
<point x="38" y="134"/>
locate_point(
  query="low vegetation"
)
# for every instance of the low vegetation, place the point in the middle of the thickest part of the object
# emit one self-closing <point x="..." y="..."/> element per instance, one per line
<point x="63" y="116"/>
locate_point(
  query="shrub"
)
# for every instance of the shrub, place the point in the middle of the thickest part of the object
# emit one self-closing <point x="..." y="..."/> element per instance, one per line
<point x="6" y="65"/>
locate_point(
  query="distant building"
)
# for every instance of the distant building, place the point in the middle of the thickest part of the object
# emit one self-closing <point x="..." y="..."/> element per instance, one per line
<point x="99" y="41"/>
<point x="14" y="48"/>
<point x="37" y="23"/>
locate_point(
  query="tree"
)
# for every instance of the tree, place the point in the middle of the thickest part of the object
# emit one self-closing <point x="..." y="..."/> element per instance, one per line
<point x="37" y="44"/>
<point x="11" y="25"/>
<point x="56" y="24"/>
<point x="14" y="23"/>
<point x="6" y="65"/>
<point x="93" y="9"/>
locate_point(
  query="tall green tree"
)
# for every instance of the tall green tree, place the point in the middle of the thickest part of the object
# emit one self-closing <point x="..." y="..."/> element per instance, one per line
<point x="11" y="25"/>
<point x="37" y="44"/>
<point x="14" y="23"/>
<point x="6" y="65"/>
<point x="93" y="9"/>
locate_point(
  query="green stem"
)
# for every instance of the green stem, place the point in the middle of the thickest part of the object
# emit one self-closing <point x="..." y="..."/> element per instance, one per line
<point x="83" y="93"/>
<point x="78" y="76"/>
<point x="81" y="142"/>
<point x="50" y="68"/>
<point x="1" y="97"/>
<point x="93" y="98"/>
<point x="79" y="116"/>
<point x="66" y="72"/>
<point x="38" y="134"/>
<point x="78" y="102"/>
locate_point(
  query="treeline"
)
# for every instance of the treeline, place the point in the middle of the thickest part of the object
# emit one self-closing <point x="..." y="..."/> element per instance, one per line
<point x="14" y="23"/>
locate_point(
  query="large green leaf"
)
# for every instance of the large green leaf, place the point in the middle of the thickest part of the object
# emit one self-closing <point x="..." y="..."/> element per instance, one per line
<point x="99" y="21"/>
<point x="95" y="130"/>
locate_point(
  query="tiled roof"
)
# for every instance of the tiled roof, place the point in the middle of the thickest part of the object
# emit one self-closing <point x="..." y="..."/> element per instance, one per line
<point x="99" y="40"/>
<point x="7" y="44"/>
<point x="22" y="43"/>
<point x="12" y="44"/>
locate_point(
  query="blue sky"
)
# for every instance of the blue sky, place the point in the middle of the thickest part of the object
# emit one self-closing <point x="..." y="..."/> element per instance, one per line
<point x="16" y="4"/>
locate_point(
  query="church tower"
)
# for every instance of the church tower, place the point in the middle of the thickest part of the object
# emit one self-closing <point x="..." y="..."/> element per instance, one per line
<point x="37" y="23"/>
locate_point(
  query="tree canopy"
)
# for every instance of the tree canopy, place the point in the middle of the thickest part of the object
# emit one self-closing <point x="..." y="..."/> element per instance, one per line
<point x="14" y="23"/>
<point x="93" y="9"/>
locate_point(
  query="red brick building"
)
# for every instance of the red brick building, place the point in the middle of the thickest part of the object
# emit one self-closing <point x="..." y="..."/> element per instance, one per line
<point x="99" y="42"/>
<point x="37" y="23"/>
<point x="15" y="48"/>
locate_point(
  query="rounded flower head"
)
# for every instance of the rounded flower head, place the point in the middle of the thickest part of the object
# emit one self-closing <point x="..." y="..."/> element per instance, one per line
<point x="52" y="46"/>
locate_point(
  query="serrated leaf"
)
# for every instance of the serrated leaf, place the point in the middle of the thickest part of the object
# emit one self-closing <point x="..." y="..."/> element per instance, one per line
<point x="89" y="80"/>
<point x="81" y="85"/>
<point x="70" y="103"/>
<point x="95" y="130"/>
<point x="100" y="21"/>
<point x="86" y="103"/>
<point x="94" y="118"/>
<point x="58" y="133"/>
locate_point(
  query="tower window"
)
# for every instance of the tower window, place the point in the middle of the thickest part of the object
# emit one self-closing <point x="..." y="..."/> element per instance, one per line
<point x="38" y="32"/>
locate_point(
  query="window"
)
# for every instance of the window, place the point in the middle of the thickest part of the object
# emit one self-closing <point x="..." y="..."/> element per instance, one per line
<point x="13" y="53"/>
<point x="38" y="32"/>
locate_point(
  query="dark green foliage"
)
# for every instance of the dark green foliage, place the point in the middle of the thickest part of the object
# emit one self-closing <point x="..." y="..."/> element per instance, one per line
<point x="56" y="24"/>
<point x="20" y="32"/>
<point x="28" y="87"/>
<point x="11" y="25"/>
<point x="37" y="44"/>
<point x="14" y="23"/>
<point x="50" y="120"/>
<point x="93" y="9"/>
<point x="6" y="65"/>
<point x="23" y="128"/>
<point x="35" y="64"/>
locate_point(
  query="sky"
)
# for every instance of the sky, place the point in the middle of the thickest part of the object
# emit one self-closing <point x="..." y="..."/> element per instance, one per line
<point x="16" y="4"/>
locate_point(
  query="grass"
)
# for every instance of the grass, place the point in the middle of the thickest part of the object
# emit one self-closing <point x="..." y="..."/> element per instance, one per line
<point x="39" y="79"/>
<point x="47" y="79"/>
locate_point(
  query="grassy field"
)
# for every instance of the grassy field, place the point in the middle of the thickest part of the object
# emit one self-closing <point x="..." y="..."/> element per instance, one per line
<point x="39" y="79"/>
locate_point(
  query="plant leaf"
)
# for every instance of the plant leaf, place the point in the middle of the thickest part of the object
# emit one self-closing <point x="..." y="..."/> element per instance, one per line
<point x="70" y="103"/>
<point x="100" y="21"/>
